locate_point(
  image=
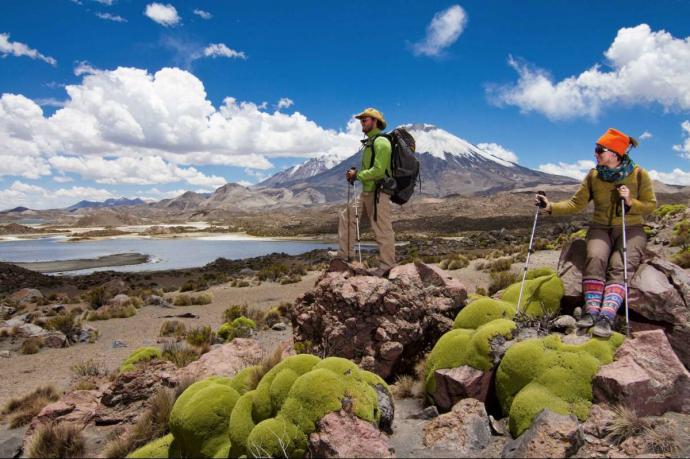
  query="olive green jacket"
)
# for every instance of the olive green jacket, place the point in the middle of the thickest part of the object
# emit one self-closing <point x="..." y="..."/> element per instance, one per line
<point x="607" y="200"/>
<point x="382" y="162"/>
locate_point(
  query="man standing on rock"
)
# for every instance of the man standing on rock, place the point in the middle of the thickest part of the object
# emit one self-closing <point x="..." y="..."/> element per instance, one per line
<point x="376" y="161"/>
<point x="615" y="178"/>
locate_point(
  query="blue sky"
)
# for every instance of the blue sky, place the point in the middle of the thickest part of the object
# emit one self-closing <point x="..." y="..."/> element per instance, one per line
<point x="148" y="113"/>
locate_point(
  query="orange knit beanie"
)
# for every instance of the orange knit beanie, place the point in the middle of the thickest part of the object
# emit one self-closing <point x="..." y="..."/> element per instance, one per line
<point x="616" y="141"/>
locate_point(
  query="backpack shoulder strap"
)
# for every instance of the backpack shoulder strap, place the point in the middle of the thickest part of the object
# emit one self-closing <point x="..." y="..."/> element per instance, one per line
<point x="373" y="150"/>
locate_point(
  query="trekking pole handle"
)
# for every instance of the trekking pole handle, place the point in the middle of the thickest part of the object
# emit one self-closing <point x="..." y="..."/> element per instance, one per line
<point x="542" y="203"/>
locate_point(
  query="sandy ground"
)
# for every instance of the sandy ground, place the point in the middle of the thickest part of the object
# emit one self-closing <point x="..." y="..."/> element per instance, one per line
<point x="23" y="373"/>
<point x="118" y="259"/>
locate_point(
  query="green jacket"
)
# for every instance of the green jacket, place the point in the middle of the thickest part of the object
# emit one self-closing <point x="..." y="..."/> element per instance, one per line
<point x="607" y="201"/>
<point x="382" y="163"/>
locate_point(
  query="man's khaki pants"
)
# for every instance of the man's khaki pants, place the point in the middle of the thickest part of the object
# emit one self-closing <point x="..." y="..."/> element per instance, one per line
<point x="382" y="226"/>
<point x="604" y="252"/>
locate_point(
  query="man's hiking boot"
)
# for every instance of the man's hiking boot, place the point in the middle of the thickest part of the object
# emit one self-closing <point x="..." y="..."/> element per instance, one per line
<point x="603" y="328"/>
<point x="587" y="321"/>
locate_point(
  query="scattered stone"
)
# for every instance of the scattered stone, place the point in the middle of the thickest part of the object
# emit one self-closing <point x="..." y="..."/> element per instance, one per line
<point x="57" y="308"/>
<point x="499" y="426"/>
<point x="550" y="435"/>
<point x="224" y="360"/>
<point x="454" y="384"/>
<point x="5" y="354"/>
<point x="464" y="429"/>
<point x="565" y="322"/>
<point x="347" y="313"/>
<point x="26" y="296"/>
<point x="55" y="339"/>
<point x="117" y="343"/>
<point x="341" y="434"/>
<point x="155" y="300"/>
<point x="7" y="311"/>
<point x="120" y="300"/>
<point x="186" y="315"/>
<point x="646" y="376"/>
<point x="279" y="326"/>
<point x="598" y="421"/>
<point x="430" y="412"/>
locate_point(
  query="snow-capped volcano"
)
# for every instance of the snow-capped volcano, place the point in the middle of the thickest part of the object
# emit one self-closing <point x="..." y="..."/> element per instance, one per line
<point x="309" y="168"/>
<point x="449" y="165"/>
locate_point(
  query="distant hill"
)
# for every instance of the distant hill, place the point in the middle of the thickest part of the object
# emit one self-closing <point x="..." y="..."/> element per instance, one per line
<point x="120" y="202"/>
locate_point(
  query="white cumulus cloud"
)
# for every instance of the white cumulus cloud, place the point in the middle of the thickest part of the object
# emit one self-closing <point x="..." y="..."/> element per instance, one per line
<point x="643" y="66"/>
<point x="499" y="151"/>
<point x="203" y="14"/>
<point x="577" y="170"/>
<point x="444" y="29"/>
<point x="164" y="14"/>
<point x="15" y="48"/>
<point x="221" y="50"/>
<point x="684" y="148"/>
<point x="37" y="197"/>
<point x="285" y="102"/>
<point x="111" y="17"/>
<point x="645" y="135"/>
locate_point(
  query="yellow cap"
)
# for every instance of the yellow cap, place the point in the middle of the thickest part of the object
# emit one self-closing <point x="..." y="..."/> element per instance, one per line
<point x="372" y="113"/>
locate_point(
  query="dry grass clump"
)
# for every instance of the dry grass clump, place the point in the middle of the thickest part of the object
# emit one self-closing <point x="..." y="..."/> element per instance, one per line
<point x="97" y="297"/>
<point x="112" y="312"/>
<point x="89" y="368"/>
<point x="201" y="336"/>
<point x="660" y="441"/>
<point x="32" y="345"/>
<point x="501" y="280"/>
<point x="57" y="440"/>
<point x="454" y="262"/>
<point x="233" y="312"/>
<point x="626" y="424"/>
<point x="67" y="323"/>
<point x="268" y="361"/>
<point x="407" y="386"/>
<point x="21" y="411"/>
<point x="152" y="424"/>
<point x="174" y="328"/>
<point x="180" y="354"/>
<point x="184" y="299"/>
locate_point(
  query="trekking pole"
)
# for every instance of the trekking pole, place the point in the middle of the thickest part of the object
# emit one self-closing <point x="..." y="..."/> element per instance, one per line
<point x="625" y="269"/>
<point x="349" y="192"/>
<point x="359" y="241"/>
<point x="540" y="205"/>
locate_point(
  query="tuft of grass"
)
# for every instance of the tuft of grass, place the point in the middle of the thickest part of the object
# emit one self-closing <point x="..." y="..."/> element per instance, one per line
<point x="454" y="262"/>
<point x="89" y="368"/>
<point x="32" y="345"/>
<point x="67" y="323"/>
<point x="112" y="312"/>
<point x="173" y="328"/>
<point x="669" y="209"/>
<point x="200" y="336"/>
<point x="268" y="361"/>
<point x="626" y="424"/>
<point x="682" y="259"/>
<point x="97" y="297"/>
<point x="660" y="441"/>
<point x="22" y="410"/>
<point x="233" y="312"/>
<point x="184" y="299"/>
<point x="179" y="354"/>
<point x="407" y="386"/>
<point x="84" y="384"/>
<point x="55" y="440"/>
<point x="501" y="280"/>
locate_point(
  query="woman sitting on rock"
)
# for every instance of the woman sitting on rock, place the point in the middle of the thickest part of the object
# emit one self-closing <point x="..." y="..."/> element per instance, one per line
<point x="616" y="177"/>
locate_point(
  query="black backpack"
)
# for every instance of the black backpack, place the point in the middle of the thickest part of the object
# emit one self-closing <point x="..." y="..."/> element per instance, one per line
<point x="404" y="166"/>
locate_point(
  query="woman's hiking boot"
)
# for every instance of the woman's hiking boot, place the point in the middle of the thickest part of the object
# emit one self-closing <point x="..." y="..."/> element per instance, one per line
<point x="602" y="329"/>
<point x="587" y="321"/>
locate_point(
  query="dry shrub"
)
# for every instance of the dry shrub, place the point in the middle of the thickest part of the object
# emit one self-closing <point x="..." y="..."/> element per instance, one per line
<point x="112" y="312"/>
<point x="501" y="280"/>
<point x="268" y="361"/>
<point x="420" y="369"/>
<point x="22" y="410"/>
<point x="67" y="323"/>
<point x="85" y="384"/>
<point x="660" y="441"/>
<point x="256" y="314"/>
<point x="682" y="259"/>
<point x="407" y="387"/>
<point x="625" y="424"/>
<point x="56" y="440"/>
<point x="173" y="328"/>
<point x="180" y="354"/>
<point x="89" y="368"/>
<point x="200" y="336"/>
<point x="32" y="345"/>
<point x="233" y="312"/>
<point x="184" y="299"/>
<point x="97" y="297"/>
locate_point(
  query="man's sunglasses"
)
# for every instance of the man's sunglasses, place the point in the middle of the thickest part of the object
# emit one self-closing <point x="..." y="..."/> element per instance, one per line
<point x="599" y="150"/>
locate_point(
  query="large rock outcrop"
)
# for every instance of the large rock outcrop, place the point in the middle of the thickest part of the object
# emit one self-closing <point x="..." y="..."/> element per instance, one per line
<point x="385" y="325"/>
<point x="659" y="292"/>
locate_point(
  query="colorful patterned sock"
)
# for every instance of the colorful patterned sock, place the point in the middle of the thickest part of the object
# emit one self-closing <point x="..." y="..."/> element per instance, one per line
<point x="593" y="291"/>
<point x="614" y="295"/>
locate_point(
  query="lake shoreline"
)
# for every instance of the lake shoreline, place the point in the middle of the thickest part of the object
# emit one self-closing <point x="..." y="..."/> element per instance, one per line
<point x="58" y="266"/>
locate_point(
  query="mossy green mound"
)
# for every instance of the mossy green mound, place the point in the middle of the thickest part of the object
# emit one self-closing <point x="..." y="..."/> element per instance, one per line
<point x="199" y="419"/>
<point x="483" y="310"/>
<point x="221" y="417"/>
<point x="463" y="346"/>
<point x="241" y="327"/>
<point x="541" y="295"/>
<point x="539" y="272"/>
<point x="140" y="355"/>
<point x="160" y="448"/>
<point x="545" y="373"/>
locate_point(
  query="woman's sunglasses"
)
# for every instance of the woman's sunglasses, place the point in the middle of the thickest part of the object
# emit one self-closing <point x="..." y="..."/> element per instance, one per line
<point x="599" y="150"/>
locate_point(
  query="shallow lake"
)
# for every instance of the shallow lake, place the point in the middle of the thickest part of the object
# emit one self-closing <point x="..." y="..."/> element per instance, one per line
<point x="163" y="253"/>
